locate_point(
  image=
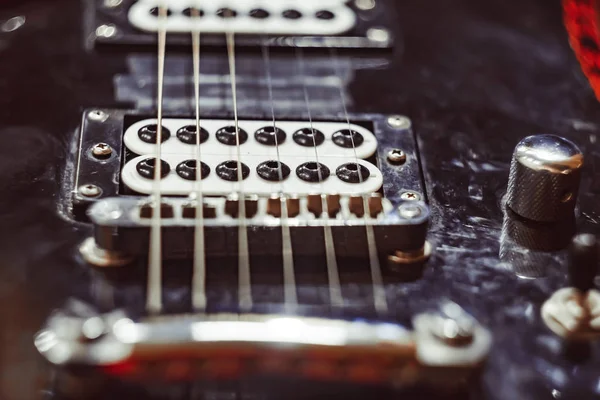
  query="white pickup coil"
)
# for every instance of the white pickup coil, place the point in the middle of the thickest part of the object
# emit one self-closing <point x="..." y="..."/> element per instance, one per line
<point x="253" y="153"/>
<point x="274" y="17"/>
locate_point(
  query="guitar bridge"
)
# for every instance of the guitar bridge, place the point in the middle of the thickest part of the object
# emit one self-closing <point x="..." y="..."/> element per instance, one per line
<point x="122" y="225"/>
<point x="441" y="350"/>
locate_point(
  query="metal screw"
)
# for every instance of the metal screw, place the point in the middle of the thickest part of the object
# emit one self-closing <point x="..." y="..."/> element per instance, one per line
<point x="410" y="196"/>
<point x="102" y="151"/>
<point x="396" y="156"/>
<point x="89" y="190"/>
<point x="453" y="326"/>
<point x="409" y="211"/>
<point x="365" y="4"/>
<point x="380" y="35"/>
<point x="13" y="24"/>
<point x="399" y="122"/>
<point x="98" y="257"/>
<point x="112" y="3"/>
<point x="97" y="115"/>
<point x="92" y="328"/>
<point x="454" y="332"/>
<point x="107" y="31"/>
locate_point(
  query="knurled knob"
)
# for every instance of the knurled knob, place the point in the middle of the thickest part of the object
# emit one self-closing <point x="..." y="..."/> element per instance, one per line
<point x="544" y="178"/>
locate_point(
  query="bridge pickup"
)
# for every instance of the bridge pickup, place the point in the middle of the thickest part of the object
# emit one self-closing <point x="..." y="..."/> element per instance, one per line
<point x="231" y="346"/>
<point x="113" y="143"/>
<point x="336" y="170"/>
<point x="122" y="225"/>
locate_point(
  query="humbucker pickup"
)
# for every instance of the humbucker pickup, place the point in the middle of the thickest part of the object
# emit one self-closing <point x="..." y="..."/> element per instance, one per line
<point x="440" y="351"/>
<point x="282" y="17"/>
<point x="315" y="24"/>
<point x="316" y="157"/>
<point x="117" y="148"/>
<point x="340" y="176"/>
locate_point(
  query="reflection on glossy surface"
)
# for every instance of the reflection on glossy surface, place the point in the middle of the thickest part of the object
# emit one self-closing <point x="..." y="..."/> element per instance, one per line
<point x="530" y="248"/>
<point x="550" y="153"/>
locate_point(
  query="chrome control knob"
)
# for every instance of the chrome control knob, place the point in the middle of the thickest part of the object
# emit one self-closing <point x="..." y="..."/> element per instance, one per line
<point x="544" y="178"/>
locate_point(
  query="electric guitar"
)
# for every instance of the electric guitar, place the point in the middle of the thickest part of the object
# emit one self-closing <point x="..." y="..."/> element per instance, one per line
<point x="301" y="199"/>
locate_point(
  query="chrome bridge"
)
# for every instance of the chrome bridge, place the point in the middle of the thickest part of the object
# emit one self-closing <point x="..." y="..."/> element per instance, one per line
<point x="122" y="224"/>
<point x="445" y="347"/>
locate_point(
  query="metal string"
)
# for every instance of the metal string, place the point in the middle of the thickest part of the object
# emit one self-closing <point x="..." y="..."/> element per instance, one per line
<point x="154" y="295"/>
<point x="199" y="271"/>
<point x="333" y="275"/>
<point x="289" y="278"/>
<point x="244" y="288"/>
<point x="379" y="297"/>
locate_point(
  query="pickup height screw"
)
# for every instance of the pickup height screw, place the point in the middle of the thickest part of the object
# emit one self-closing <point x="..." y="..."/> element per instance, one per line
<point x="102" y="151"/>
<point x="396" y="156"/>
<point x="453" y="332"/>
<point x="410" y="196"/>
<point x="380" y="35"/>
<point x="365" y="5"/>
<point x="97" y="115"/>
<point x="399" y="122"/>
<point x="94" y="255"/>
<point x="409" y="211"/>
<point x="89" y="190"/>
<point x="106" y="31"/>
<point x="112" y="3"/>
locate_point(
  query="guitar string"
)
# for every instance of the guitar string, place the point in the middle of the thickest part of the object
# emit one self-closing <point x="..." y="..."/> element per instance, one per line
<point x="154" y="295"/>
<point x="289" y="276"/>
<point x="379" y="296"/>
<point x="333" y="275"/>
<point x="199" y="268"/>
<point x="244" y="288"/>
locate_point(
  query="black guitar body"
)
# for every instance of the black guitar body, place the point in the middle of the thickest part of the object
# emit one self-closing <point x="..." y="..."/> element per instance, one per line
<point x="473" y="77"/>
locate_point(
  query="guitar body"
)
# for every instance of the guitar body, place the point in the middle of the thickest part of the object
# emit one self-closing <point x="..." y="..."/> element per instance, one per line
<point x="473" y="77"/>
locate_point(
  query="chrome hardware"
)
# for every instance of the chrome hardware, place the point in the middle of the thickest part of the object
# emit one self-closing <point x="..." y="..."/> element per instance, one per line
<point x="117" y="346"/>
<point x="544" y="178"/>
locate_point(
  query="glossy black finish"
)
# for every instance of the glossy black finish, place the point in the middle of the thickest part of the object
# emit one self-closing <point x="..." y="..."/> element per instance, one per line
<point x="232" y="137"/>
<point x="347" y="138"/>
<point x="352" y="173"/>
<point x="228" y="170"/>
<point x="149" y="134"/>
<point x="475" y="77"/>
<point x="312" y="172"/>
<point x="188" y="170"/>
<point x="308" y="137"/>
<point x="188" y="134"/>
<point x="273" y="170"/>
<point x="147" y="168"/>
<point x="270" y="136"/>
